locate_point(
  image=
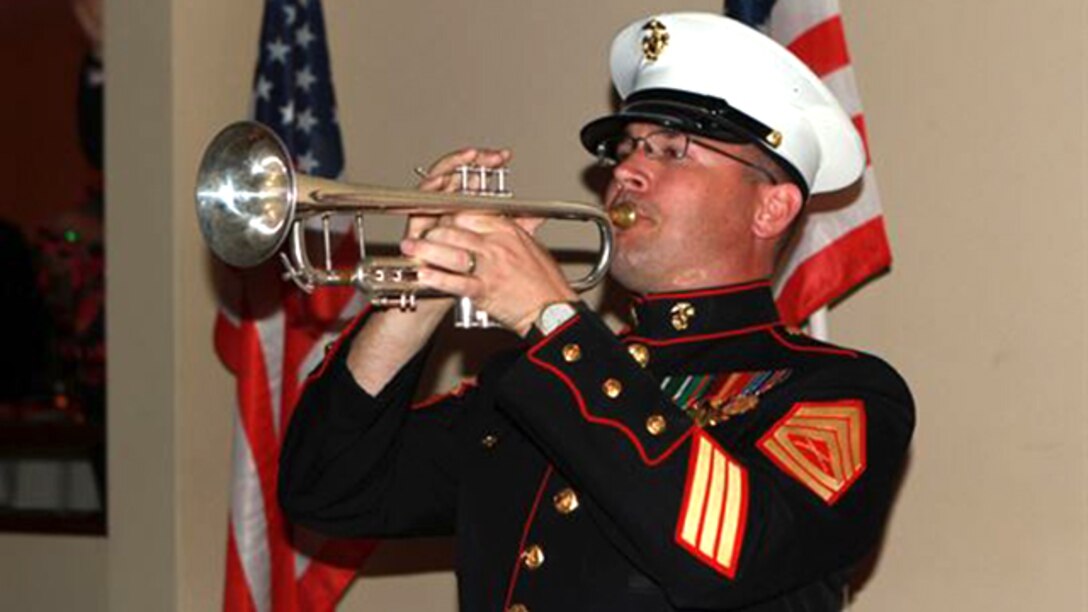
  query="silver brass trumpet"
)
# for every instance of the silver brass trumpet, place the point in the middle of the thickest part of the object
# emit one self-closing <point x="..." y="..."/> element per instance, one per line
<point x="249" y="199"/>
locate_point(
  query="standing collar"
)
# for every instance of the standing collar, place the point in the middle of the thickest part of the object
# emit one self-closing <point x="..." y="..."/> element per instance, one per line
<point x="689" y="316"/>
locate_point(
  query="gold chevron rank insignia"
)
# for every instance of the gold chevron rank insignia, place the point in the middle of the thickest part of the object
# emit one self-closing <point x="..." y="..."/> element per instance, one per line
<point x="715" y="506"/>
<point x="821" y="445"/>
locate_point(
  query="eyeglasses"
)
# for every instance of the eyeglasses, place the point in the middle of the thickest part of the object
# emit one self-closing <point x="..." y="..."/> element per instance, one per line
<point x="667" y="145"/>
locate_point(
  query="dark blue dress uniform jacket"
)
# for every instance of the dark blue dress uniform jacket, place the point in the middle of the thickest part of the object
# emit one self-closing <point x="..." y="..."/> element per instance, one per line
<point x="583" y="472"/>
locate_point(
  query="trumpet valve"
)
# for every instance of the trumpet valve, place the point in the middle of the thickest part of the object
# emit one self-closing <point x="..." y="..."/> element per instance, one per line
<point x="483" y="181"/>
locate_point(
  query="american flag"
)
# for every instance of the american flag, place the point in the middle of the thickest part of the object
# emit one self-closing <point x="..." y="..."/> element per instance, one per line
<point x="270" y="335"/>
<point x="842" y="242"/>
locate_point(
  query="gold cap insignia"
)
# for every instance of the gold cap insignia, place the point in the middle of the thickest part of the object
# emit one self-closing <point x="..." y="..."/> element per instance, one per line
<point x="655" y="40"/>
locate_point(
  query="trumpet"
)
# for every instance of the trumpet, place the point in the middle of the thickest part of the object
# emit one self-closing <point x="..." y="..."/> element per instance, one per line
<point x="250" y="201"/>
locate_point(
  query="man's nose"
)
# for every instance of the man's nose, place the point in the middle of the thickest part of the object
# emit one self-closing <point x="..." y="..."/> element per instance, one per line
<point x="633" y="173"/>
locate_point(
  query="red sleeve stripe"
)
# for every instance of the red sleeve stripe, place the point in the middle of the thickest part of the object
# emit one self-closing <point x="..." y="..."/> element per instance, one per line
<point x="715" y="507"/>
<point x="823" y="47"/>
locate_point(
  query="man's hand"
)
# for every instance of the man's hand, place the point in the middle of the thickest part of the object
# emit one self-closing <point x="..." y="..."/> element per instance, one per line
<point x="390" y="337"/>
<point x="495" y="262"/>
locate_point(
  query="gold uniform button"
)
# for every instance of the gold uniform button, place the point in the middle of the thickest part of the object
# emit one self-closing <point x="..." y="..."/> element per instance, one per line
<point x="489" y="441"/>
<point x="639" y="353"/>
<point x="517" y="608"/>
<point x="566" y="501"/>
<point x="612" y="388"/>
<point x="572" y="353"/>
<point x="656" y="425"/>
<point x="681" y="315"/>
<point x="532" y="557"/>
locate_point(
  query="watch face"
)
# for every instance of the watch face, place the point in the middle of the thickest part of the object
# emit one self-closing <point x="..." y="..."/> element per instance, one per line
<point x="553" y="316"/>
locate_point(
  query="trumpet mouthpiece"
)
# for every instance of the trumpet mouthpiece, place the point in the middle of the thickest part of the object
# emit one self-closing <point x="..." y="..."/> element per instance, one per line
<point x="623" y="215"/>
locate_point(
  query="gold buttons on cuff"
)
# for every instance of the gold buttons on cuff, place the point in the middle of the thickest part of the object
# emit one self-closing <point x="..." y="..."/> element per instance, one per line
<point x="489" y="441"/>
<point x="572" y="353"/>
<point x="656" y="425"/>
<point x="532" y="557"/>
<point x="639" y="353"/>
<point x="517" y="608"/>
<point x="681" y="315"/>
<point x="612" y="388"/>
<point x="566" y="501"/>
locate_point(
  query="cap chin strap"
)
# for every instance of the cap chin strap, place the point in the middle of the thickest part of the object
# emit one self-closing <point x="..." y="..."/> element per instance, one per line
<point x="711" y="117"/>
<point x="707" y="115"/>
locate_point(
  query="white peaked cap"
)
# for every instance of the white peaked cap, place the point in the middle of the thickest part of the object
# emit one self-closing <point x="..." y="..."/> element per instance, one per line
<point x="713" y="76"/>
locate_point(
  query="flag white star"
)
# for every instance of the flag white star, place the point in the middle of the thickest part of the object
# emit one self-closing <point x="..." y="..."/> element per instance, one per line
<point x="306" y="120"/>
<point x="304" y="79"/>
<point x="307" y="163"/>
<point x="290" y="12"/>
<point x="264" y="88"/>
<point x="287" y="113"/>
<point x="278" y="51"/>
<point x="303" y="36"/>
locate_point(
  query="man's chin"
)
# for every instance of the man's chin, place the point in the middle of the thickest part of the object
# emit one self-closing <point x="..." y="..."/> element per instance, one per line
<point x="631" y="275"/>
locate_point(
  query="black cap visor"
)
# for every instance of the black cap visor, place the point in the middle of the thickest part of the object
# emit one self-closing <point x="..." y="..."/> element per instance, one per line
<point x="685" y="112"/>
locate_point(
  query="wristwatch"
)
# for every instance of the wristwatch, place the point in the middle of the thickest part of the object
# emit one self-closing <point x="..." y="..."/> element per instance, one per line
<point x="553" y="315"/>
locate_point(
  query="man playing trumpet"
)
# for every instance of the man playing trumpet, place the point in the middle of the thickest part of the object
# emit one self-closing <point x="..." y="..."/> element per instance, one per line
<point x="708" y="458"/>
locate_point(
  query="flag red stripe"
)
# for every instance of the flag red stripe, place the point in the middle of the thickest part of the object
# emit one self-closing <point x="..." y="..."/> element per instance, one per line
<point x="823" y="47"/>
<point x="835" y="270"/>
<point x="236" y="595"/>
<point x="255" y="416"/>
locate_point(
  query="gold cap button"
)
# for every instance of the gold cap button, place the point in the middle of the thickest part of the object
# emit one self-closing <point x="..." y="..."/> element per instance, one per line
<point x="656" y="425"/>
<point x="612" y="388"/>
<point x="532" y="557"/>
<point x="517" y="608"/>
<point x="489" y="441"/>
<point x="639" y="353"/>
<point x="681" y="315"/>
<point x="572" y="353"/>
<point x="566" y="501"/>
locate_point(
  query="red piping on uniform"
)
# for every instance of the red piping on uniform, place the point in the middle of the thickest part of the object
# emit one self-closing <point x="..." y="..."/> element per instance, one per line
<point x="555" y="332"/>
<point x="458" y="391"/>
<point x="525" y="536"/>
<point x="811" y="349"/>
<point x="701" y="293"/>
<point x="702" y="337"/>
<point x="599" y="420"/>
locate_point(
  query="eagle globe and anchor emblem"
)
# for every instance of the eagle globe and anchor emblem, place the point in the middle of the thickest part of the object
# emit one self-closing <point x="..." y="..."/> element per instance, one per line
<point x="655" y="40"/>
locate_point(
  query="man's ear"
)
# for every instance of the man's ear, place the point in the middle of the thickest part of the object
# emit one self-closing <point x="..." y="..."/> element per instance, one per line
<point x="779" y="205"/>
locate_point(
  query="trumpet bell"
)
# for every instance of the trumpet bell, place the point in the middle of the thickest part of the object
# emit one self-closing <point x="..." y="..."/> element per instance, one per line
<point x="245" y="195"/>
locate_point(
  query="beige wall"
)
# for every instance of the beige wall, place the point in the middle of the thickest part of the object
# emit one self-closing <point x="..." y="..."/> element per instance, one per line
<point x="976" y="116"/>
